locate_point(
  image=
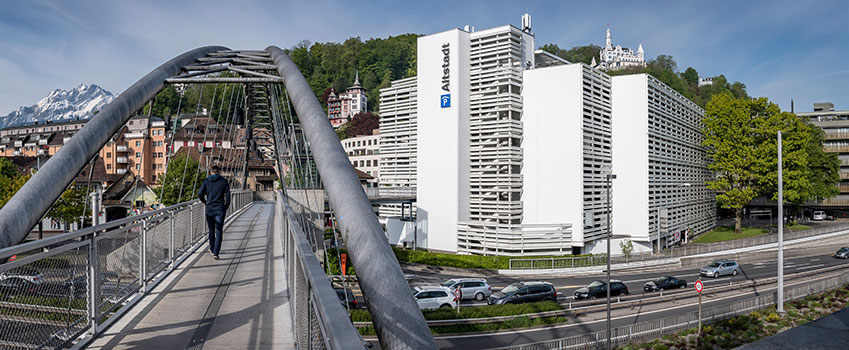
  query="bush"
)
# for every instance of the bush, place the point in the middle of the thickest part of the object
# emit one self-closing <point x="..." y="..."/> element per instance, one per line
<point x="332" y="264"/>
<point x="474" y="312"/>
<point x="660" y="347"/>
<point x="490" y="262"/>
<point x="773" y="317"/>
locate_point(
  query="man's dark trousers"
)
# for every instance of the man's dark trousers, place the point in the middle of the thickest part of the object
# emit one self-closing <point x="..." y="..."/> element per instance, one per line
<point x="215" y="221"/>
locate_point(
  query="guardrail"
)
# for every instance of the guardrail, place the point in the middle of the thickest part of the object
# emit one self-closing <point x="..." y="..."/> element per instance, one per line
<point x="648" y="330"/>
<point x="674" y="252"/>
<point x="320" y="322"/>
<point x="63" y="288"/>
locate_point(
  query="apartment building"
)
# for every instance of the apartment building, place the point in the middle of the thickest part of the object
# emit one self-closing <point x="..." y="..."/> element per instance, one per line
<point x="835" y="125"/>
<point x="660" y="163"/>
<point x="33" y="140"/>
<point x="397" y="142"/>
<point x="364" y="153"/>
<point x="345" y="105"/>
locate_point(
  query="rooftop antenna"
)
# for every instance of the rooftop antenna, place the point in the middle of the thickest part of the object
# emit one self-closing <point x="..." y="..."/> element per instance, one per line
<point x="526" y="23"/>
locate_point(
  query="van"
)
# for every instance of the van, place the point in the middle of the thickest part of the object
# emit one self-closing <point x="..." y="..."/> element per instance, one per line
<point x="819" y="215"/>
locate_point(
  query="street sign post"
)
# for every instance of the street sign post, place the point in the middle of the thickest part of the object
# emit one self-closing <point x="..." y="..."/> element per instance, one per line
<point x="458" y="295"/>
<point x="699" y="288"/>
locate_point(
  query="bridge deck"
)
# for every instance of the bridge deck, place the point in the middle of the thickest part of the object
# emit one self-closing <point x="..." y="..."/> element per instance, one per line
<point x="238" y="302"/>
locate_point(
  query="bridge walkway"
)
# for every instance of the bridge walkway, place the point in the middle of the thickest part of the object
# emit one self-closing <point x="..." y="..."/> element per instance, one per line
<point x="238" y="302"/>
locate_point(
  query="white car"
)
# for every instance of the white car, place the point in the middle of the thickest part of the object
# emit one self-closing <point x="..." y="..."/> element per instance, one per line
<point x="434" y="297"/>
<point x="819" y="215"/>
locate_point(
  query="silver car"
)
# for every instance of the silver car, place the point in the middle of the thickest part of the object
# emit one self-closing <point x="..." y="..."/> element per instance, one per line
<point x="470" y="288"/>
<point x="720" y="268"/>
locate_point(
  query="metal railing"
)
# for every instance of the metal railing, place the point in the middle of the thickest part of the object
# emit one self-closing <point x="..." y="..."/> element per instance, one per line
<point x="648" y="330"/>
<point x="320" y="321"/>
<point x="674" y="252"/>
<point x="61" y="289"/>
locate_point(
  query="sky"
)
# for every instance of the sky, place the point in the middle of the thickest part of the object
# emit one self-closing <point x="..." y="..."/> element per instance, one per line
<point x="781" y="49"/>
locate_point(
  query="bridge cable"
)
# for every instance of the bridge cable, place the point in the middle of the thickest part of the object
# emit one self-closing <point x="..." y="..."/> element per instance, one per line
<point x="170" y="153"/>
<point x="192" y="141"/>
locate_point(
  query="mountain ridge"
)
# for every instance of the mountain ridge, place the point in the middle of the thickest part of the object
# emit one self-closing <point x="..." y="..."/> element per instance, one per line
<point x="81" y="102"/>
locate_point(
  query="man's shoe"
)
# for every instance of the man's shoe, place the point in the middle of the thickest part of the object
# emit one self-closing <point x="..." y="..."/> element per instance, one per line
<point x="215" y="257"/>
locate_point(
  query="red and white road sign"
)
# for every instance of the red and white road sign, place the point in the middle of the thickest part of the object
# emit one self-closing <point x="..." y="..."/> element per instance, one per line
<point x="458" y="294"/>
<point x="699" y="286"/>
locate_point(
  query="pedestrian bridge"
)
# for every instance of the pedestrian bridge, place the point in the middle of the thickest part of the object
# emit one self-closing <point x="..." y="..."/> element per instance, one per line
<point x="147" y="281"/>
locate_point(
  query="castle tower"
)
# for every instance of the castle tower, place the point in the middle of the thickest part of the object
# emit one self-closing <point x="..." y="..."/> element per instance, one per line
<point x="640" y="52"/>
<point x="608" y="43"/>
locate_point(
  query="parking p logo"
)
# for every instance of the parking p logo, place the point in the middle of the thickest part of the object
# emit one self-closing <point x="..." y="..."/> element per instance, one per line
<point x="445" y="101"/>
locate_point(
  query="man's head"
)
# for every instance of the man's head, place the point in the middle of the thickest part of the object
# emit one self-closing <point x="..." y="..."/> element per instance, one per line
<point x="216" y="170"/>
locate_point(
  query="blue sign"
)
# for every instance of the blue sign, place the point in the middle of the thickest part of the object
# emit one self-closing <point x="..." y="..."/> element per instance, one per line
<point x="445" y="101"/>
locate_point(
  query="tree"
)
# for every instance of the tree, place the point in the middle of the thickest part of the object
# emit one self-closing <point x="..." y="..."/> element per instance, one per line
<point x="577" y="54"/>
<point x="70" y="206"/>
<point x="362" y="124"/>
<point x="691" y="76"/>
<point x="177" y="188"/>
<point x="627" y="247"/>
<point x="740" y="136"/>
<point x="10" y="180"/>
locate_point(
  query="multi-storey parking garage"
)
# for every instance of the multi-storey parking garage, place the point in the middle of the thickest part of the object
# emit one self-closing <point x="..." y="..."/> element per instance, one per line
<point x="397" y="142"/>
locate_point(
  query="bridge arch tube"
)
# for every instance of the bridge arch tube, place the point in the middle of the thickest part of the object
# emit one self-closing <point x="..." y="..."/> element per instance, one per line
<point x="32" y="201"/>
<point x="396" y="316"/>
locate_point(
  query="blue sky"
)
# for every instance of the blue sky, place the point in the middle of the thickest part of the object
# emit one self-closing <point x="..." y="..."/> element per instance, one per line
<point x="779" y="49"/>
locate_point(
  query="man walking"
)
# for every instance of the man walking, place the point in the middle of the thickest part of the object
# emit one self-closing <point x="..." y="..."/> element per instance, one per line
<point x="215" y="194"/>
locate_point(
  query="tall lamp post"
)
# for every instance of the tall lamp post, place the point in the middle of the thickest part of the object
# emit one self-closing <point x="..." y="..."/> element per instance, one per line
<point x="610" y="178"/>
<point x="780" y="296"/>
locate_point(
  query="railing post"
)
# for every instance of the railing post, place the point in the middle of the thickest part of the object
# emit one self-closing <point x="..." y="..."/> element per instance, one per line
<point x="143" y="255"/>
<point x="93" y="286"/>
<point x="171" y="248"/>
<point x="192" y="223"/>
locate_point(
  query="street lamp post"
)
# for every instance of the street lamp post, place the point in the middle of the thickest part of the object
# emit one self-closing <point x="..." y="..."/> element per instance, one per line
<point x="610" y="177"/>
<point x="780" y="296"/>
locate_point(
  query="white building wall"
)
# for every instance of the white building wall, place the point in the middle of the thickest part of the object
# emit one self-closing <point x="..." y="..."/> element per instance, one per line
<point x="631" y="160"/>
<point x="442" y="195"/>
<point x="397" y="143"/>
<point x="363" y="152"/>
<point x="552" y="175"/>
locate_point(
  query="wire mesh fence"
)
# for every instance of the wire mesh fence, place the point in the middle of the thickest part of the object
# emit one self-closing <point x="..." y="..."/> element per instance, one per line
<point x="649" y="330"/>
<point x="320" y="321"/>
<point x="673" y="252"/>
<point x="57" y="290"/>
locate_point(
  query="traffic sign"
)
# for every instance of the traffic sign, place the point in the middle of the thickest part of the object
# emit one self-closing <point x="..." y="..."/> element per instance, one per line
<point x="699" y="286"/>
<point x="458" y="293"/>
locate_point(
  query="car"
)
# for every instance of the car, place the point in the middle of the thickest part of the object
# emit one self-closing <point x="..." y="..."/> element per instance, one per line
<point x="720" y="268"/>
<point x="20" y="280"/>
<point x="346" y="295"/>
<point x="598" y="289"/>
<point x="819" y="215"/>
<point x="470" y="288"/>
<point x="842" y="253"/>
<point x="434" y="297"/>
<point x="523" y="292"/>
<point x="663" y="282"/>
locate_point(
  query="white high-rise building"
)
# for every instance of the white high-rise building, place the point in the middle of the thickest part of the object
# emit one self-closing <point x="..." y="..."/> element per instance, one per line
<point x="660" y="163"/>
<point x="397" y="143"/>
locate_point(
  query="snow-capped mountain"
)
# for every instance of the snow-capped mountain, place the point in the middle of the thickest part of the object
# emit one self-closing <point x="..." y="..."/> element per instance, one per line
<point x="60" y="105"/>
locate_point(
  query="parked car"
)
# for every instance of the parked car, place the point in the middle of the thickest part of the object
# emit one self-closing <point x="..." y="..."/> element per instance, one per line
<point x="21" y="280"/>
<point x="434" y="297"/>
<point x="720" y="268"/>
<point x="819" y="215"/>
<point x="346" y="293"/>
<point x="598" y="289"/>
<point x="842" y="253"/>
<point x="664" y="282"/>
<point x="524" y="292"/>
<point x="470" y="288"/>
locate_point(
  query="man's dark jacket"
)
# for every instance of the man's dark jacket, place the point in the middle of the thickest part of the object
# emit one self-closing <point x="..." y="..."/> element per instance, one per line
<point x="215" y="193"/>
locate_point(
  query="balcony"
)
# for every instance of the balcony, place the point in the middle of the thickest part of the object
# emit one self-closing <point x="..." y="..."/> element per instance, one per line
<point x="835" y="136"/>
<point x="121" y="160"/>
<point x="42" y="152"/>
<point x="42" y="142"/>
<point x="120" y="171"/>
<point x="121" y="148"/>
<point x="836" y="149"/>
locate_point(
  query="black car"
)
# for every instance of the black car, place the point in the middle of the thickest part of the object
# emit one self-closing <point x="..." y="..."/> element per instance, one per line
<point x="523" y="292"/>
<point x="352" y="300"/>
<point x="842" y="253"/>
<point x="598" y="289"/>
<point x="664" y="282"/>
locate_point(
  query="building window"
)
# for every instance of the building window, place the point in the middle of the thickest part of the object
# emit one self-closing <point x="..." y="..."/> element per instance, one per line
<point x="138" y="154"/>
<point x="108" y="166"/>
<point x="138" y="166"/>
<point x="108" y="155"/>
<point x="154" y="178"/>
<point x="138" y="143"/>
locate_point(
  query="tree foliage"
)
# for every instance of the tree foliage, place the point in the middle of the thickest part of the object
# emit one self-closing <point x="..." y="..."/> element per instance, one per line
<point x="361" y="124"/>
<point x="181" y="181"/>
<point x="740" y="135"/>
<point x="10" y="180"/>
<point x="70" y="206"/>
<point x="379" y="61"/>
<point x="577" y="54"/>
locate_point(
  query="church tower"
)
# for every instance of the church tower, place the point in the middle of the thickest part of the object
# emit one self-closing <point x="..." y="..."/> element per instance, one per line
<point x="608" y="44"/>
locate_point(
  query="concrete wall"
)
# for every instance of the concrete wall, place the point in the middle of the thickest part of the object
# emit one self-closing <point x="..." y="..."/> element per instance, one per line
<point x="443" y="138"/>
<point x="552" y="148"/>
<point x="631" y="160"/>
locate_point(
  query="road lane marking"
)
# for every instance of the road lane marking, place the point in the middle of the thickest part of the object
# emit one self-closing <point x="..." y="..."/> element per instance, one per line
<point x="811" y="267"/>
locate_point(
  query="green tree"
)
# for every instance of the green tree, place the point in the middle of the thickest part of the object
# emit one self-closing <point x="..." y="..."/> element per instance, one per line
<point x="740" y="136"/>
<point x="10" y="180"/>
<point x="577" y="54"/>
<point x="70" y="206"/>
<point x="181" y="181"/>
<point x="691" y="76"/>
